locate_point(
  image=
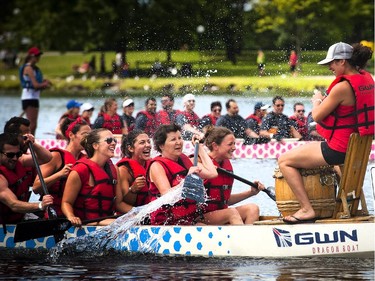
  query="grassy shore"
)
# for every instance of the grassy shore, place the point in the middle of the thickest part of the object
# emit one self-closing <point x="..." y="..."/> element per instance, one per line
<point x="211" y="73"/>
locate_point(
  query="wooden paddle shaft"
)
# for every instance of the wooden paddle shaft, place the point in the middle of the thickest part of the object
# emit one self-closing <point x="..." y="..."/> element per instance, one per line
<point x="42" y="182"/>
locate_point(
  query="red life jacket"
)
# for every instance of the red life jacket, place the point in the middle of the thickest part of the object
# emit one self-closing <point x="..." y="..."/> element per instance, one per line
<point x="57" y="189"/>
<point x="254" y="117"/>
<point x="152" y="122"/>
<point x="19" y="180"/>
<point x="301" y="124"/>
<point x="192" y="118"/>
<point x="219" y="189"/>
<point x="164" y="117"/>
<point x="112" y="123"/>
<point x="338" y="126"/>
<point x="183" y="212"/>
<point x="137" y="170"/>
<point x="95" y="201"/>
<point x="212" y="118"/>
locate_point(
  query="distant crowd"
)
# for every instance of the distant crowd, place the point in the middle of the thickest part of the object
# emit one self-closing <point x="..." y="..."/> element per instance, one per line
<point x="261" y="126"/>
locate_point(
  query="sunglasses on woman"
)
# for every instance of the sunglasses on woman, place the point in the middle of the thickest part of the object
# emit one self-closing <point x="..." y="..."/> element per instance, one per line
<point x="110" y="140"/>
<point x="11" y="155"/>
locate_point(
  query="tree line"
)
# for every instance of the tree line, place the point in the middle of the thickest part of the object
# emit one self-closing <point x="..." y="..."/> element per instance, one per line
<point x="230" y="25"/>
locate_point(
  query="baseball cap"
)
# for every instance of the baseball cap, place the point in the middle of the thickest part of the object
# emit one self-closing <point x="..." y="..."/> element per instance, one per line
<point x="338" y="51"/>
<point x="86" y="107"/>
<point x="127" y="102"/>
<point x="73" y="103"/>
<point x="34" y="51"/>
<point x="188" y="97"/>
<point x="261" y="106"/>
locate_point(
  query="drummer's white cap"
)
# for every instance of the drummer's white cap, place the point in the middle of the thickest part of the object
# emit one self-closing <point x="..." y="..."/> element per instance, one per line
<point x="188" y="97"/>
<point x="338" y="51"/>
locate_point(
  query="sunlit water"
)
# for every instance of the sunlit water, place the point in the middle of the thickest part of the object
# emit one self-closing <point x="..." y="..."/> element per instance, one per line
<point x="23" y="265"/>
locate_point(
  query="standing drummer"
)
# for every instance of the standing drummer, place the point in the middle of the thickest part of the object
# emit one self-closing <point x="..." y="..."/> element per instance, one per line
<point x="348" y="108"/>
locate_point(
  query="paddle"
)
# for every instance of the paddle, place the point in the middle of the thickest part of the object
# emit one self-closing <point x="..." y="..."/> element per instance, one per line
<point x="193" y="187"/>
<point x="33" y="229"/>
<point x="229" y="173"/>
<point x="51" y="212"/>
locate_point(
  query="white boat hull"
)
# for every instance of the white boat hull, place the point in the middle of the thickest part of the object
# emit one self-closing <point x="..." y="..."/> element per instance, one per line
<point x="261" y="241"/>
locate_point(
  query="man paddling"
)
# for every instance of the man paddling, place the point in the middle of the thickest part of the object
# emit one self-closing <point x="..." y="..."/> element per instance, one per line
<point x="15" y="178"/>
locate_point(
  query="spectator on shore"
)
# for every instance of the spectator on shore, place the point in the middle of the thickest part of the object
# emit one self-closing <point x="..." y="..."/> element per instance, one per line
<point x="300" y="119"/>
<point x="109" y="119"/>
<point x="276" y="124"/>
<point x="236" y="123"/>
<point x="293" y="61"/>
<point x="167" y="115"/>
<point x="32" y="83"/>
<point x="147" y="119"/>
<point x="72" y="113"/>
<point x="188" y="120"/>
<point x="127" y="115"/>
<point x="261" y="62"/>
<point x="211" y="118"/>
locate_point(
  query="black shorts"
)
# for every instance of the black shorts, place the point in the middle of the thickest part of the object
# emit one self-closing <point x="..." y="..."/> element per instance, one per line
<point x="332" y="157"/>
<point x="32" y="103"/>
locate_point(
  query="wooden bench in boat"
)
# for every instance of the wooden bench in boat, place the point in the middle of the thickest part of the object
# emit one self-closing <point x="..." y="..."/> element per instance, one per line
<point x="353" y="173"/>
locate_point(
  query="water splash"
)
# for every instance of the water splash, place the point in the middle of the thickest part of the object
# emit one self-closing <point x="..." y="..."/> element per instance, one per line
<point x="113" y="236"/>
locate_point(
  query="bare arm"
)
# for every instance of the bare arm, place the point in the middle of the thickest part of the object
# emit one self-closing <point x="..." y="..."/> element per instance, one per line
<point x="238" y="197"/>
<point x="71" y="191"/>
<point x="8" y="198"/>
<point x="341" y="93"/>
<point x="295" y="133"/>
<point x="159" y="178"/>
<point x="30" y="72"/>
<point x="124" y="199"/>
<point x="208" y="169"/>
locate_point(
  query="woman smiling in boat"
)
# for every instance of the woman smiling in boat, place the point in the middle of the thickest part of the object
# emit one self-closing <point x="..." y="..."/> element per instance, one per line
<point x="221" y="143"/>
<point x="56" y="171"/>
<point x="91" y="185"/>
<point x="169" y="169"/>
<point x="136" y="147"/>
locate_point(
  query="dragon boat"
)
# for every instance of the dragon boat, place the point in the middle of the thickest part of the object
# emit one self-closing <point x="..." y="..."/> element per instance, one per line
<point x="266" y="239"/>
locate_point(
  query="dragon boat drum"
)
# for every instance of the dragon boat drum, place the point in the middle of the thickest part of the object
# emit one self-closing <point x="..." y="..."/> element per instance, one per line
<point x="320" y="186"/>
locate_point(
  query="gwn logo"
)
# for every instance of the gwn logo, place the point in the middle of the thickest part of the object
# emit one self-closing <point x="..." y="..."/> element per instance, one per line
<point x="282" y="237"/>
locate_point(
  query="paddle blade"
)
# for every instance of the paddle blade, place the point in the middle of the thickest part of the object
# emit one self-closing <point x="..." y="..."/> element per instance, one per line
<point x="33" y="229"/>
<point x="193" y="188"/>
<point x="270" y="192"/>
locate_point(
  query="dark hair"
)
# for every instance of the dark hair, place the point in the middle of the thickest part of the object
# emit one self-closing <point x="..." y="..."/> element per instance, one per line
<point x="148" y="99"/>
<point x="227" y="104"/>
<point x="77" y="126"/>
<point x="214" y="104"/>
<point x="91" y="138"/>
<point x="161" y="134"/>
<point x="129" y="140"/>
<point x="9" y="138"/>
<point x="216" y="135"/>
<point x="13" y="125"/>
<point x="277" y="98"/>
<point x="295" y="105"/>
<point x="107" y="103"/>
<point x="170" y="96"/>
<point x="361" y="54"/>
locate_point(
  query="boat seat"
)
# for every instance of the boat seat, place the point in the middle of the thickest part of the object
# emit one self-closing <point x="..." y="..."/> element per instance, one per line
<point x="352" y="176"/>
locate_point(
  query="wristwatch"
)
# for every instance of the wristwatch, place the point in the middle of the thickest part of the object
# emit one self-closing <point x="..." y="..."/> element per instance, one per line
<point x="40" y="206"/>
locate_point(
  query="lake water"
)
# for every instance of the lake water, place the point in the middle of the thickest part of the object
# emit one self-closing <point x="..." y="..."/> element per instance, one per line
<point x="23" y="265"/>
